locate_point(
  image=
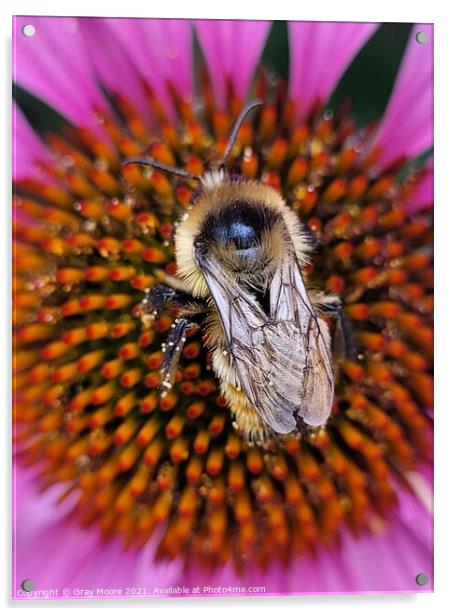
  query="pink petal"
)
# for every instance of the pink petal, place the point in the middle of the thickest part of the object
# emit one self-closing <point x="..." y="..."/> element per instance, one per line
<point x="111" y="62"/>
<point x="385" y="562"/>
<point x="27" y="149"/>
<point x="46" y="534"/>
<point x="319" y="54"/>
<point x="407" y="126"/>
<point x="161" y="50"/>
<point x="53" y="550"/>
<point x="232" y="50"/>
<point x="423" y="194"/>
<point x="53" y="65"/>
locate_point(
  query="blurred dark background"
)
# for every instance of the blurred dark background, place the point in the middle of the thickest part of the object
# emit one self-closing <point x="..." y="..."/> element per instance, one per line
<point x="368" y="80"/>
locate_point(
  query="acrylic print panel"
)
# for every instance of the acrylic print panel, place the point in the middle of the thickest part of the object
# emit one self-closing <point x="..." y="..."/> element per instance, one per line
<point x="223" y="382"/>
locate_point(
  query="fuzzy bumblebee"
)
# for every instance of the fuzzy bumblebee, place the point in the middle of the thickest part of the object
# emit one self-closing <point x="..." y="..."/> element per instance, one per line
<point x="240" y="251"/>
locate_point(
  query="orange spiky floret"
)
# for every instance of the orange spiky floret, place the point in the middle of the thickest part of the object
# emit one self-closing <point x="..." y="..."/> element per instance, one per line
<point x="86" y="367"/>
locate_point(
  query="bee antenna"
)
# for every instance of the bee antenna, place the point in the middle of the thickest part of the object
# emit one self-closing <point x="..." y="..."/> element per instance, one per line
<point x="157" y="165"/>
<point x="238" y="123"/>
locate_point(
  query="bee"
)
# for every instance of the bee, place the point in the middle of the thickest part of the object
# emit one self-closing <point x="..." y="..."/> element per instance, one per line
<point x="240" y="253"/>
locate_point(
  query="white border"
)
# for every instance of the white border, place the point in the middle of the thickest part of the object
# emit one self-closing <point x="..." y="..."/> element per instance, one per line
<point x="337" y="10"/>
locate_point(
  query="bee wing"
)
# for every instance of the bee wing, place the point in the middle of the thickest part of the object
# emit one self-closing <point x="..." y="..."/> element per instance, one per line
<point x="278" y="359"/>
<point x="314" y="378"/>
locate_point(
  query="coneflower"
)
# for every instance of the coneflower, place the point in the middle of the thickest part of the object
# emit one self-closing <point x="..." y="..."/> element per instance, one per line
<point x="154" y="479"/>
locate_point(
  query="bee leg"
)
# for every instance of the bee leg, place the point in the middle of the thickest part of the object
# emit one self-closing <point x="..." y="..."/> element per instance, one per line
<point x="192" y="312"/>
<point x="343" y="339"/>
<point x="156" y="298"/>
<point x="343" y="344"/>
<point x="172" y="350"/>
<point x="174" y="344"/>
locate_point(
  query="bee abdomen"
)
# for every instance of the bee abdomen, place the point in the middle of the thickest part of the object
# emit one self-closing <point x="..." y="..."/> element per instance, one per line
<point x="247" y="420"/>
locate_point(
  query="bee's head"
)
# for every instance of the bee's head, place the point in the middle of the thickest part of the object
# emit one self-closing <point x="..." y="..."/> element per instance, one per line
<point x="243" y="236"/>
<point x="244" y="227"/>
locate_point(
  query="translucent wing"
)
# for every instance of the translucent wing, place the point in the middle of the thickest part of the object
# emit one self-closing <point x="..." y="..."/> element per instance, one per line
<point x="282" y="359"/>
<point x="290" y="304"/>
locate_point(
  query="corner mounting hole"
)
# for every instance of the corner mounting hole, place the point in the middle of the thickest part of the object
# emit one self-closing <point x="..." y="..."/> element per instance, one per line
<point x="422" y="37"/>
<point x="421" y="579"/>
<point x="28" y="30"/>
<point x="28" y="585"/>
